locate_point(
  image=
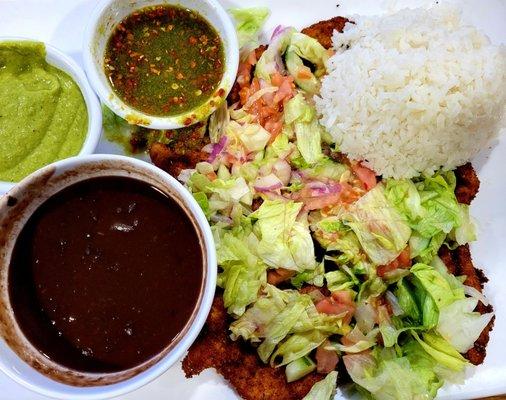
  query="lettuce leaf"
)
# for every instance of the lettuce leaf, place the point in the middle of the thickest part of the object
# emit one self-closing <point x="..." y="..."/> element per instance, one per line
<point x="406" y="299"/>
<point x="466" y="232"/>
<point x="281" y="325"/>
<point x="286" y="324"/>
<point x="388" y="377"/>
<point x="250" y="137"/>
<point x="460" y="326"/>
<point x="307" y="128"/>
<point x="297" y="346"/>
<point x="324" y="389"/>
<point x="248" y="23"/>
<point x="380" y="228"/>
<point x="285" y="242"/>
<point x="241" y="286"/>
<point x="243" y="272"/>
<point x="432" y="211"/>
<point x="442" y="351"/>
<point x="372" y="287"/>
<point x="436" y="285"/>
<point x="325" y="168"/>
<point x="424" y="366"/>
<point x="312" y="277"/>
<point x="251" y="324"/>
<point x="303" y="47"/>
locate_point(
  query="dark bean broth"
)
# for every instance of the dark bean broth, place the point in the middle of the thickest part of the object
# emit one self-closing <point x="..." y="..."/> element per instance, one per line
<point x="105" y="274"/>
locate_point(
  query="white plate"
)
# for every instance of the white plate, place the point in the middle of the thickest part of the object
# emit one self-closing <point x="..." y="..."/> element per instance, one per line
<point x="61" y="23"/>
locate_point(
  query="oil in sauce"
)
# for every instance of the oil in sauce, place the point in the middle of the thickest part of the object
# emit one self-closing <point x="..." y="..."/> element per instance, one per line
<point x="164" y="60"/>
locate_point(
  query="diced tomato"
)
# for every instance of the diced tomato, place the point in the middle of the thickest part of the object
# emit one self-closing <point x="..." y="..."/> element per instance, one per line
<point x="326" y="360"/>
<point x="211" y="176"/>
<point x="342" y="296"/>
<point x="277" y="276"/>
<point x="349" y="194"/>
<point x="285" y="91"/>
<point x="244" y="71"/>
<point x="277" y="79"/>
<point x="366" y="176"/>
<point x="403" y="261"/>
<point x="316" y="203"/>
<point x="304" y="73"/>
<point x="338" y="303"/>
<point x="346" y="341"/>
<point x="404" y="258"/>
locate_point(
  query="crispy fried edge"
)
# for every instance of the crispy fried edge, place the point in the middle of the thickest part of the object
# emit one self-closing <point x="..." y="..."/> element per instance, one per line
<point x="323" y="30"/>
<point x="459" y="262"/>
<point x="468" y="183"/>
<point x="239" y="363"/>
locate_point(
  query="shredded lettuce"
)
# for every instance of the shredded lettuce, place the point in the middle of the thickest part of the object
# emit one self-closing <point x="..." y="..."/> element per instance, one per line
<point x="442" y="351"/>
<point x="250" y="137"/>
<point x="380" y="228"/>
<point x="386" y="376"/>
<point x="286" y="324"/>
<point x="460" y="326"/>
<point x="307" y="128"/>
<point x="285" y="241"/>
<point x="466" y="232"/>
<point x="325" y="168"/>
<point x="432" y="211"/>
<point x="406" y="299"/>
<point x="312" y="277"/>
<point x="436" y="285"/>
<point x="324" y="389"/>
<point x="281" y="325"/>
<point x="297" y="346"/>
<point x="250" y="325"/>
<point x="271" y="60"/>
<point x="243" y="272"/>
<point x="303" y="47"/>
<point x="259" y="191"/>
<point x="249" y="21"/>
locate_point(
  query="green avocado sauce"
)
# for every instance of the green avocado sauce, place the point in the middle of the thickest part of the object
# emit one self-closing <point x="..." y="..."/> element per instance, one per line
<point x="164" y="60"/>
<point x="43" y="115"/>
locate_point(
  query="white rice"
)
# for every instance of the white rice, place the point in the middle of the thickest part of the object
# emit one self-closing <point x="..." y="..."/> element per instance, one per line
<point x="416" y="91"/>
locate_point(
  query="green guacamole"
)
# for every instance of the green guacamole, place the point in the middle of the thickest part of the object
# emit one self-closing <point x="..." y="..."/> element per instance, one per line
<point x="43" y="115"/>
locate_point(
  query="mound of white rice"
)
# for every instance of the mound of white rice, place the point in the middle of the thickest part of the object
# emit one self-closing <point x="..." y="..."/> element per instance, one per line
<point x="412" y="92"/>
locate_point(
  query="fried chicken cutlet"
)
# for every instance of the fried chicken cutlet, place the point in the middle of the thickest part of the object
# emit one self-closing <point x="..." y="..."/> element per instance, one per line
<point x="239" y="363"/>
<point x="459" y="263"/>
<point x="323" y="30"/>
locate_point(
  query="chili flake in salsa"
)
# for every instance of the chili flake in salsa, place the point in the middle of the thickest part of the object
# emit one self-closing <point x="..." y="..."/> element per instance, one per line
<point x="164" y="60"/>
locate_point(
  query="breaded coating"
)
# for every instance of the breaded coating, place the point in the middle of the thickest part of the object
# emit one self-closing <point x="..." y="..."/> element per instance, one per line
<point x="323" y="30"/>
<point x="468" y="183"/>
<point x="459" y="261"/>
<point x="183" y="151"/>
<point x="239" y="363"/>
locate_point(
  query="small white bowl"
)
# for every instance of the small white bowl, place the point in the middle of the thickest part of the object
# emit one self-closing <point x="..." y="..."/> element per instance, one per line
<point x="61" y="61"/>
<point x="109" y="13"/>
<point x="17" y="355"/>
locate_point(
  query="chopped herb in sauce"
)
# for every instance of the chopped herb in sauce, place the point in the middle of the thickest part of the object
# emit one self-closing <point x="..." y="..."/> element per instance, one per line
<point x="164" y="60"/>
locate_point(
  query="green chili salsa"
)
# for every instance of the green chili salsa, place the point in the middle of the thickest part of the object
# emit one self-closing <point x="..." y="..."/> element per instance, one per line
<point x="164" y="60"/>
<point x="43" y="115"/>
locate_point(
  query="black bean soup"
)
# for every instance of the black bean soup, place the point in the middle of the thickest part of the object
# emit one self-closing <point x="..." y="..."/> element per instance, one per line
<point x="105" y="274"/>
